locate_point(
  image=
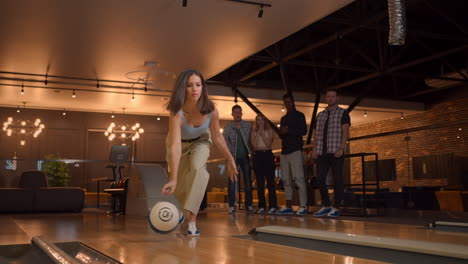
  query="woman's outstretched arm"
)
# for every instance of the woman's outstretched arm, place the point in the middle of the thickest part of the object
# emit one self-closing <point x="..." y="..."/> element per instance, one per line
<point x="175" y="148"/>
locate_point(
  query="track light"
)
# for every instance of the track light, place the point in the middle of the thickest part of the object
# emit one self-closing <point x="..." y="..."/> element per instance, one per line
<point x="260" y="12"/>
<point x="158" y="118"/>
<point x="22" y="89"/>
<point x="45" y="81"/>
<point x="261" y="4"/>
<point x="112" y="116"/>
<point x="184" y="3"/>
<point x="74" y="94"/>
<point x="18" y="110"/>
<point x="133" y="97"/>
<point x="365" y="113"/>
<point x="401" y="116"/>
<point x="97" y="83"/>
<point x="282" y="109"/>
<point x="64" y="113"/>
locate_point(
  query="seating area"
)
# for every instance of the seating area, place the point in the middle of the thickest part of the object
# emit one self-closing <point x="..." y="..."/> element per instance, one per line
<point x="34" y="195"/>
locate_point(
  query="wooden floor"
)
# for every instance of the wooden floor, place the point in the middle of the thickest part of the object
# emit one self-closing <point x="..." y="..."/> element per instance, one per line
<point x="130" y="240"/>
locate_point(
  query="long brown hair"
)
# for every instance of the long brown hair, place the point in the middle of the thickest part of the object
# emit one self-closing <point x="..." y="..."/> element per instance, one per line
<point x="205" y="105"/>
<point x="266" y="126"/>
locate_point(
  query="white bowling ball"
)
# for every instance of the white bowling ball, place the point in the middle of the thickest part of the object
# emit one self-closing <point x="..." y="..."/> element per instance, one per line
<point x="163" y="217"/>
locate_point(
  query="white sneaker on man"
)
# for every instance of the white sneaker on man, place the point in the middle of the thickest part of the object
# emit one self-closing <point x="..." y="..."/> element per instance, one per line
<point x="334" y="212"/>
<point x="232" y="210"/>
<point x="302" y="211"/>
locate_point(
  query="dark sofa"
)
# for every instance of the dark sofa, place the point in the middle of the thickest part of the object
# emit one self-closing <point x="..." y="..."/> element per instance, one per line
<point x="33" y="195"/>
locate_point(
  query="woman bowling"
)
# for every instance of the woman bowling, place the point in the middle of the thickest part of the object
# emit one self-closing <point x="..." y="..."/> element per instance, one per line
<point x="193" y="126"/>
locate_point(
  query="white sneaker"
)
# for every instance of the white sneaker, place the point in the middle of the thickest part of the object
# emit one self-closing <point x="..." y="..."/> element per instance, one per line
<point x="261" y="211"/>
<point x="232" y="209"/>
<point x="192" y="229"/>
<point x="302" y="211"/>
<point x="272" y="210"/>
<point x="334" y="212"/>
<point x="250" y="210"/>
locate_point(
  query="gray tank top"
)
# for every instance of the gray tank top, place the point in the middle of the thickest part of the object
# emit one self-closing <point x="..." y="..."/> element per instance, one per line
<point x="189" y="132"/>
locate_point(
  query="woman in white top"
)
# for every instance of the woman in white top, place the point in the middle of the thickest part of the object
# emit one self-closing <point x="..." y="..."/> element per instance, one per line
<point x="261" y="138"/>
<point x="193" y="125"/>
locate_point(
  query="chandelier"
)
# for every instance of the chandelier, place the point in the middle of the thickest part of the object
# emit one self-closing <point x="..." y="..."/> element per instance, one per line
<point x="123" y="131"/>
<point x="23" y="128"/>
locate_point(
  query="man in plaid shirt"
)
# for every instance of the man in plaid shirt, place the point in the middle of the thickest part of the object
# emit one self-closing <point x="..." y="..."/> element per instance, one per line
<point x="237" y="136"/>
<point x="331" y="131"/>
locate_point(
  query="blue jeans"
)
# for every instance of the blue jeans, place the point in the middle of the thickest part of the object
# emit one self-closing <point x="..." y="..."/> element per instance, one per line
<point x="243" y="163"/>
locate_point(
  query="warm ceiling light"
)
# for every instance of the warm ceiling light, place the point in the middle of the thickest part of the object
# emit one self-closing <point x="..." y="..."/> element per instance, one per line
<point x="365" y="113"/>
<point x="123" y="132"/>
<point x="23" y="128"/>
<point x="22" y="89"/>
<point x="133" y="97"/>
<point x="402" y="117"/>
<point x="282" y="109"/>
<point x="74" y="94"/>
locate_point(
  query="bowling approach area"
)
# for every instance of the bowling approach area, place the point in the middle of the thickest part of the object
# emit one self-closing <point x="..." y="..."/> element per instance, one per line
<point x="93" y="236"/>
<point x="224" y="238"/>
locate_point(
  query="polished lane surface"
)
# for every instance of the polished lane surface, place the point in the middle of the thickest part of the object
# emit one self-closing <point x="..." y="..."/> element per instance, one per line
<point x="129" y="239"/>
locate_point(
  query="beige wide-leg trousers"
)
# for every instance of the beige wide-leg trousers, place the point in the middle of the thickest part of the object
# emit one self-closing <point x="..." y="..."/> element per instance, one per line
<point x="292" y="168"/>
<point x="192" y="177"/>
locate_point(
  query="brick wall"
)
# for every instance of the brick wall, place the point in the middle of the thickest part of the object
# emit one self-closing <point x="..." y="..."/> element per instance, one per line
<point x="435" y="131"/>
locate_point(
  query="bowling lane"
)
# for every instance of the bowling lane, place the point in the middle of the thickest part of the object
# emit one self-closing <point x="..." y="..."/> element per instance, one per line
<point x="11" y="232"/>
<point x="129" y="239"/>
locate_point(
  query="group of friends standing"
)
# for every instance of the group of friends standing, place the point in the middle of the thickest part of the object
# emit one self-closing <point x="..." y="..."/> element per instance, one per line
<point x="194" y="126"/>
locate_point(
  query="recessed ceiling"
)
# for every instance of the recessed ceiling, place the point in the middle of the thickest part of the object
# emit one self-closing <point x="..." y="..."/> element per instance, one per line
<point x="106" y="39"/>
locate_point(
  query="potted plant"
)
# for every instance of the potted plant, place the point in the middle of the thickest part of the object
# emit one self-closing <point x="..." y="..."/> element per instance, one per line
<point x="57" y="172"/>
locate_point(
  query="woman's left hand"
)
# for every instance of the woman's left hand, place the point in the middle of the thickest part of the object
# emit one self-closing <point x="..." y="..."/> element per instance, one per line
<point x="169" y="188"/>
<point x="232" y="170"/>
